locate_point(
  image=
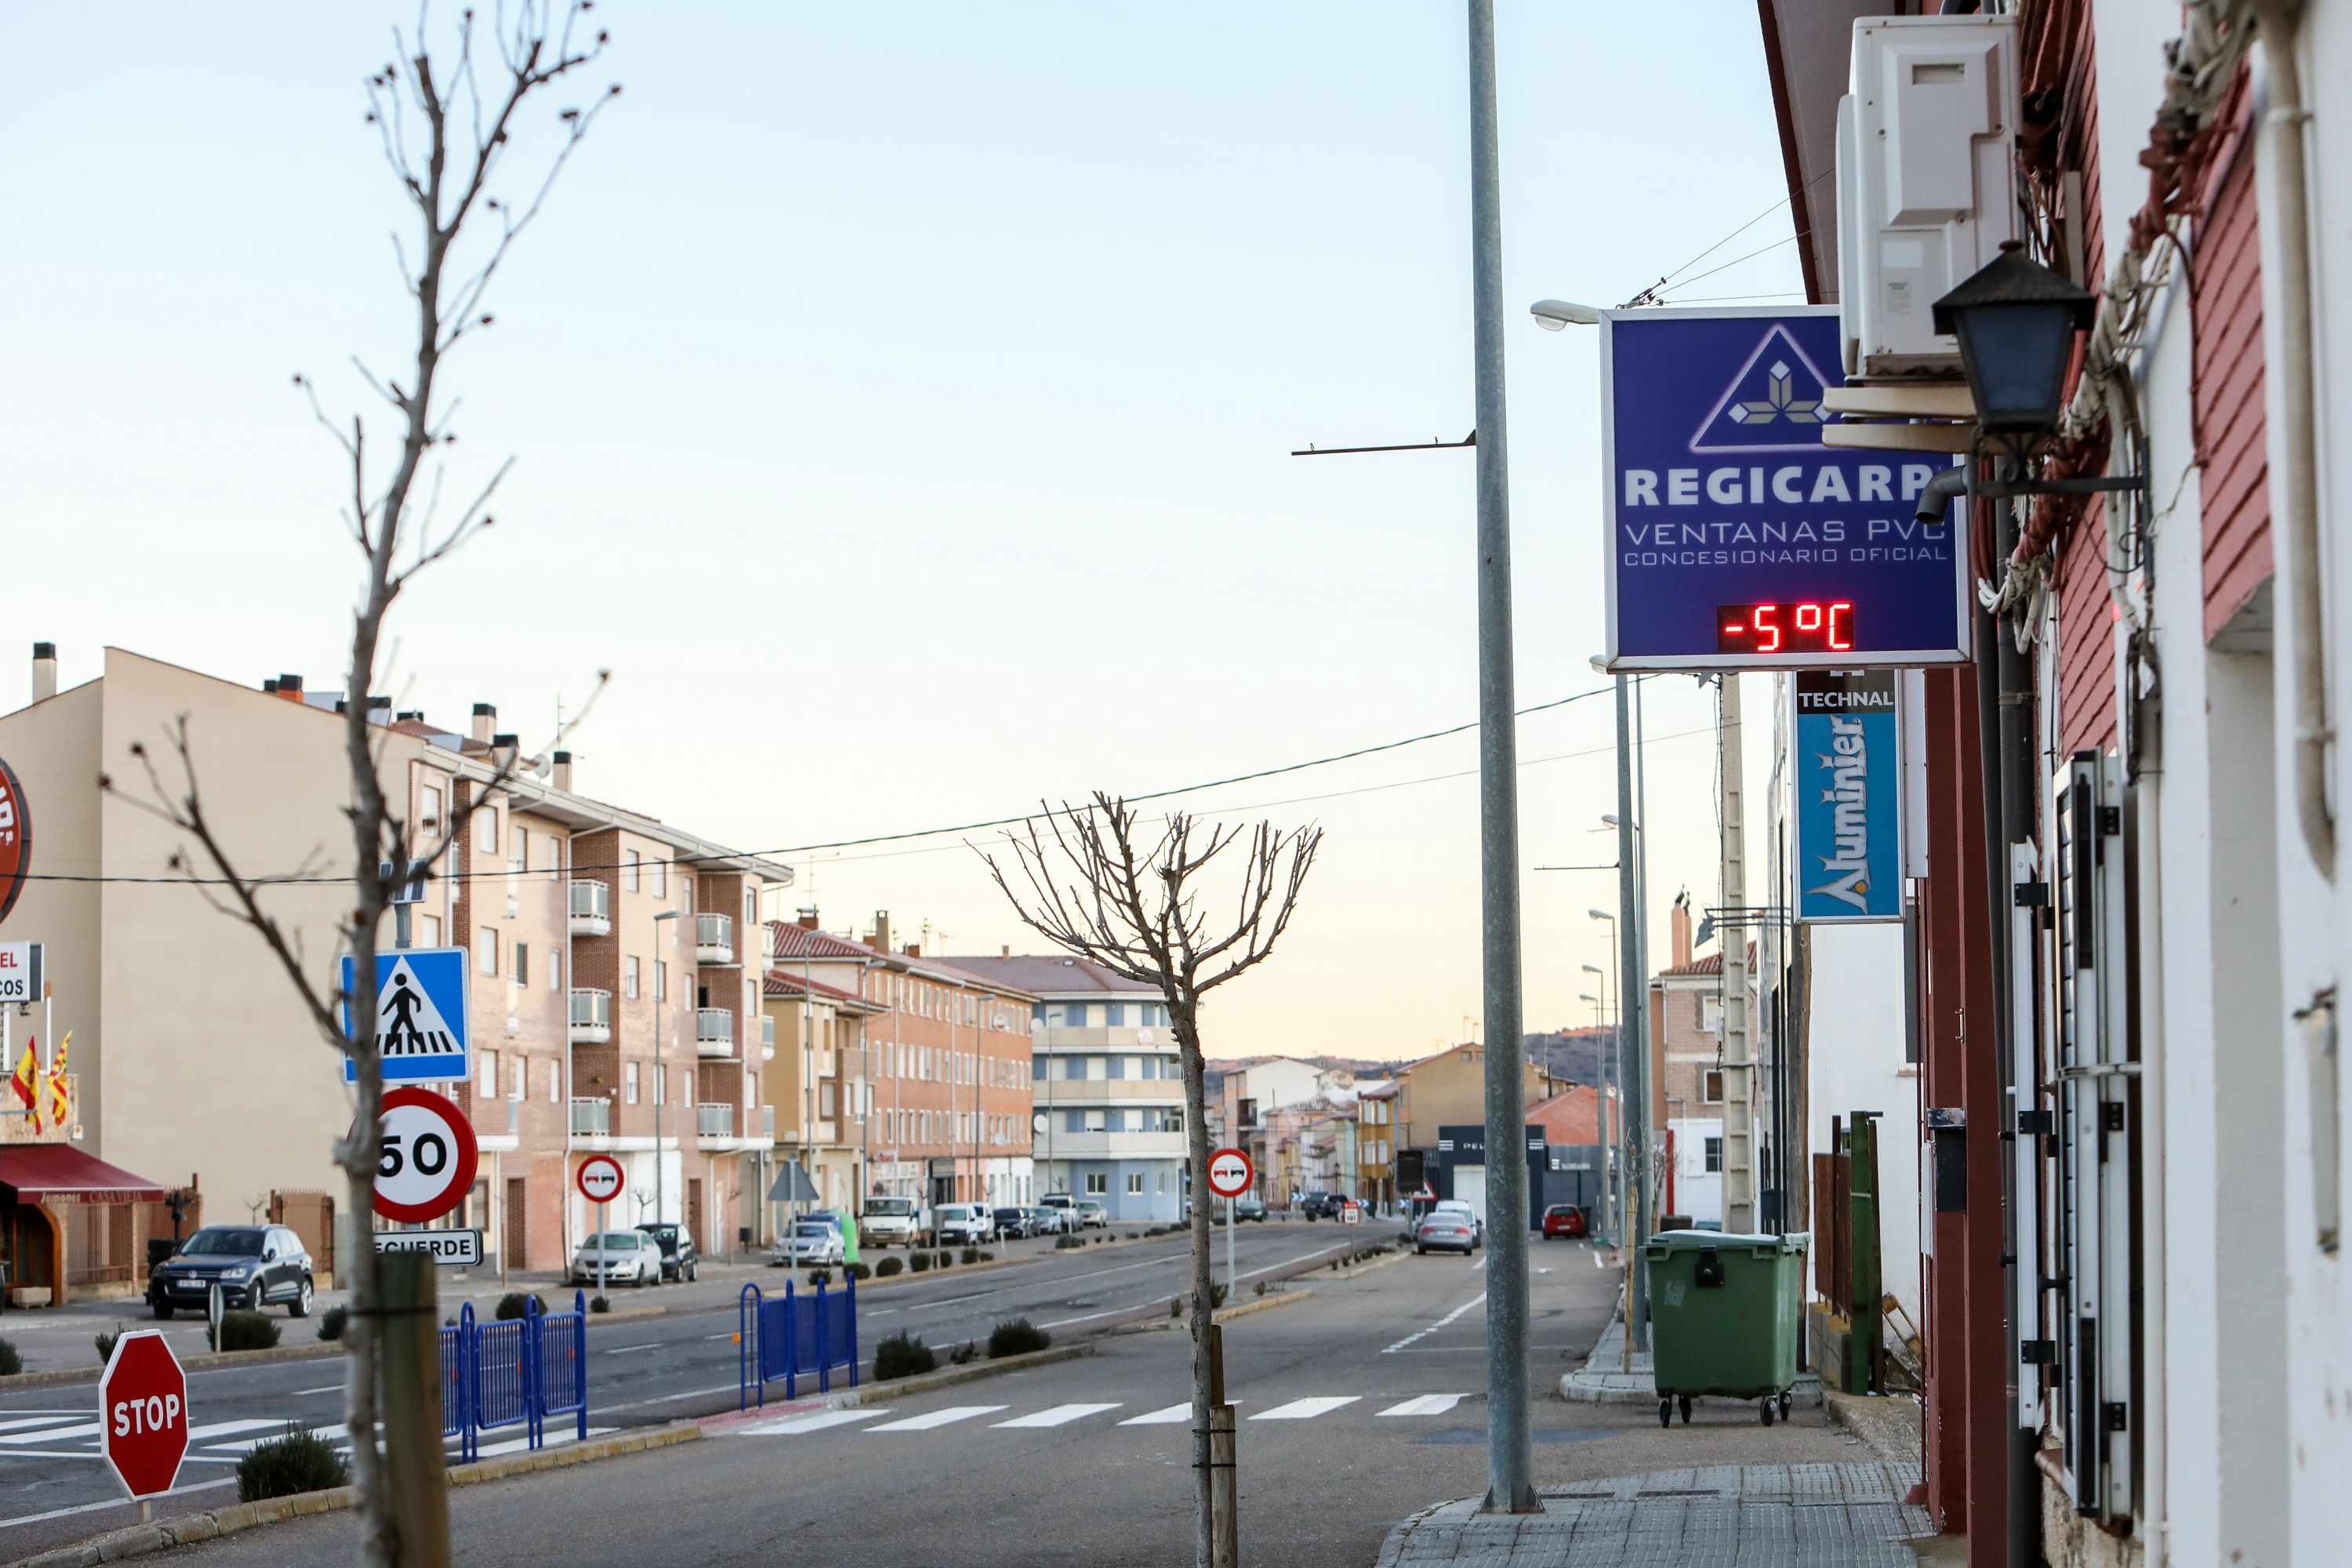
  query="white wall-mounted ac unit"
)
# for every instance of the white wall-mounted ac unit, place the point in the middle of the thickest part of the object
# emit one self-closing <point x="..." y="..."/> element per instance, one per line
<point x="1927" y="183"/>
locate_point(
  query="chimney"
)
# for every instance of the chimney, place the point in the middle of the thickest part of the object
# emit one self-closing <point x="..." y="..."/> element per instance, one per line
<point x="808" y="919"/>
<point x="563" y="772"/>
<point x="290" y="687"/>
<point x="882" y="931"/>
<point x="485" y="718"/>
<point x="914" y="952"/>
<point x="1678" y="925"/>
<point x="45" y="671"/>
<point x="503" y="751"/>
<point x="1005" y="952"/>
<point x="409" y="716"/>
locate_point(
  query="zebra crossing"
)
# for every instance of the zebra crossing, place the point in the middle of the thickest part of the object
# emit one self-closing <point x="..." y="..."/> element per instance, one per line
<point x="72" y="1434"/>
<point x="875" y="1422"/>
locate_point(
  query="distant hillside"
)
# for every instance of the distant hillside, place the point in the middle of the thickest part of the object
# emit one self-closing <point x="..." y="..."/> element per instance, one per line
<point x="1573" y="1053"/>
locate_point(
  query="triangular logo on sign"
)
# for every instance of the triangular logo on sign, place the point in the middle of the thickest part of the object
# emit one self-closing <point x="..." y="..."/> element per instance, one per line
<point x="407" y="1024"/>
<point x="1773" y="403"/>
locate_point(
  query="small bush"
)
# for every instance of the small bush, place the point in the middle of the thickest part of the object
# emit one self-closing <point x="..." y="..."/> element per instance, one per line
<point x="1065" y="1243"/>
<point x="971" y="1255"/>
<point x="820" y="1277"/>
<point x="1176" y="1305"/>
<point x="987" y="1257"/>
<point x="902" y="1356"/>
<point x="11" y="1363"/>
<point x="331" y="1322"/>
<point x="945" y="1259"/>
<point x="855" y="1271"/>
<point x="965" y="1353"/>
<point x="887" y="1267"/>
<point x="516" y="1304"/>
<point x="298" y="1462"/>
<point x="243" y="1331"/>
<point x="1016" y="1336"/>
<point x="1260" y="1288"/>
<point x="105" y="1344"/>
<point x="920" y="1262"/>
<point x="1216" y="1295"/>
<point x="598" y="1304"/>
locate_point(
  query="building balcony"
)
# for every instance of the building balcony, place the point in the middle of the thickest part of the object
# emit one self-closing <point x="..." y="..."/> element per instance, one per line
<point x="767" y="1038"/>
<point x="591" y="1118"/>
<point x="592" y="1017"/>
<point x="1058" y="1145"/>
<point x="592" y="909"/>
<point x="766" y="1124"/>
<point x="714" y="1032"/>
<point x="714" y="939"/>
<point x="1079" y="1091"/>
<point x="715" y="1121"/>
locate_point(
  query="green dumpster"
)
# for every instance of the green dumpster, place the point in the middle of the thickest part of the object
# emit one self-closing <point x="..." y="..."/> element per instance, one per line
<point x="1723" y="1317"/>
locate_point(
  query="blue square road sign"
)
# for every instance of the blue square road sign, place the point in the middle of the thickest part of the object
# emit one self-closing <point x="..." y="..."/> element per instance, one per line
<point x="420" y="1018"/>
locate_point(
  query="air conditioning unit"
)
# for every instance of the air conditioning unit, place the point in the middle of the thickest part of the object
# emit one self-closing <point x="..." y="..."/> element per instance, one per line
<point x="1927" y="188"/>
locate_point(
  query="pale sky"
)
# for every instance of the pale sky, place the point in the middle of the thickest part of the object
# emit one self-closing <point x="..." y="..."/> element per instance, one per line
<point x="901" y="399"/>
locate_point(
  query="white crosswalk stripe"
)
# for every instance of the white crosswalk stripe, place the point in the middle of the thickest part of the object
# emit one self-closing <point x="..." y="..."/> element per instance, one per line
<point x="816" y="1423"/>
<point x="948" y="1417"/>
<point x="1306" y="1409"/>
<point x="1059" y="1415"/>
<point x="1167" y="1417"/>
<point x="1426" y="1404"/>
<point x="335" y="1432"/>
<point x="78" y="1430"/>
<point x="47" y="1418"/>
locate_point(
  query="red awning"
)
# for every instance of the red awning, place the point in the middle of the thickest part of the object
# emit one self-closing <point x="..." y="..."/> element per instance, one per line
<point x="42" y="1172"/>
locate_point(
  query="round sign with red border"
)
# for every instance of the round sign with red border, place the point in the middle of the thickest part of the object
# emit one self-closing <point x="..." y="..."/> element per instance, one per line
<point x="16" y="839"/>
<point x="1231" y="1172"/>
<point x="599" y="1178"/>
<point x="142" y="1413"/>
<point x="427" y="1155"/>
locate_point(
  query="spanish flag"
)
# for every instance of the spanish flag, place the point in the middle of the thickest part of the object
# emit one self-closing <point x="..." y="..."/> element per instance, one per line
<point x="60" y="1104"/>
<point x="28" y="1083"/>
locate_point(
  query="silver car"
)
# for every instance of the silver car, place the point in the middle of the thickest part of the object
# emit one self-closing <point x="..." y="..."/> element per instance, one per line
<point x="620" y="1257"/>
<point x="1451" y="1227"/>
<point x="812" y="1244"/>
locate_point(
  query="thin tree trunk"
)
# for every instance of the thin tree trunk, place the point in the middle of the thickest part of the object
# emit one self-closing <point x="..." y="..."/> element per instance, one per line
<point x="1196" y="1137"/>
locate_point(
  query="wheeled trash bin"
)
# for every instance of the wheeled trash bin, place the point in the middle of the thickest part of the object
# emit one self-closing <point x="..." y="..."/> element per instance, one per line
<point x="1724" y="1318"/>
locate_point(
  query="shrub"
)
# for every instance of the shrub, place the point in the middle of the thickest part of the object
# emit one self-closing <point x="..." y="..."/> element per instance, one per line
<point x="945" y="1259"/>
<point x="243" y="1331"/>
<point x="971" y="1255"/>
<point x="105" y="1344"/>
<point x="820" y="1277"/>
<point x="516" y="1304"/>
<point x="1064" y="1243"/>
<point x="1016" y="1336"/>
<point x="11" y="1363"/>
<point x="598" y="1304"/>
<point x="298" y="1462"/>
<point x="887" y="1267"/>
<point x="857" y="1271"/>
<point x="965" y="1353"/>
<point x="1260" y="1288"/>
<point x="331" y="1322"/>
<point x="987" y="1257"/>
<point x="921" y="1262"/>
<point x="1176" y="1305"/>
<point x="1216" y="1295"/>
<point x="902" y="1356"/>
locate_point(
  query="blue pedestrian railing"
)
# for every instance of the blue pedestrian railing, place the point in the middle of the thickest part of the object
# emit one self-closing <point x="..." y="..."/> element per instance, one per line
<point x="793" y="1336"/>
<point x="514" y="1372"/>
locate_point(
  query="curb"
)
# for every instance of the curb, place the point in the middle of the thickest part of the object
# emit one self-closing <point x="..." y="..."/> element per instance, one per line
<point x="947" y="1377"/>
<point x="144" y="1539"/>
<point x="1392" y="1549"/>
<point x="1265" y="1303"/>
<point x="200" y="1361"/>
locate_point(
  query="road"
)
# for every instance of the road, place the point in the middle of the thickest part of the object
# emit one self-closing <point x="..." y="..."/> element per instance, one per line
<point x="1358" y="1405"/>
<point x="54" y="1488"/>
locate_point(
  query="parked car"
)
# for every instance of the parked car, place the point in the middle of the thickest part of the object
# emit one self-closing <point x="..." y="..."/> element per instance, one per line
<point x="1563" y="1219"/>
<point x="812" y="1242"/>
<point x="1060" y="1203"/>
<point x="1013" y="1223"/>
<point x="889" y="1222"/>
<point x="1043" y="1221"/>
<point x="1450" y="1227"/>
<point x="963" y="1225"/>
<point x="1092" y="1216"/>
<point x="253" y="1265"/>
<point x="1249" y="1209"/>
<point x="1321" y="1205"/>
<point x="678" y="1258"/>
<point x="618" y="1258"/>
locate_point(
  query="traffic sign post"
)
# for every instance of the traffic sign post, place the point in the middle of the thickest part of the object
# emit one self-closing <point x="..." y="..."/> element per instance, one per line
<point x="420" y="1016"/>
<point x="1230" y="1176"/>
<point x="427" y="1156"/>
<point x="599" y="1179"/>
<point x="142" y="1414"/>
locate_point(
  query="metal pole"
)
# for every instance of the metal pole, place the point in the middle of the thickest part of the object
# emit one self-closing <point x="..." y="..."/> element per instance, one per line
<point x="1510" y="1461"/>
<point x="1231" y="1279"/>
<point x="1739" y="1085"/>
<point x="1633" y="1015"/>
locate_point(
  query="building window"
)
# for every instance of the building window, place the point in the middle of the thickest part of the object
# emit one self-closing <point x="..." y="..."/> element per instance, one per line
<point x="1713" y="1092"/>
<point x="522" y="964"/>
<point x="1710" y="1014"/>
<point x="629" y="862"/>
<point x="661" y="1083"/>
<point x="1714" y="1156"/>
<point x="428" y="930"/>
<point x="555" y="1083"/>
<point x="1074" y="1015"/>
<point x="1115" y="1014"/>
<point x="489" y="1089"/>
<point x="555" y="969"/>
<point x="660" y="868"/>
<point x="1135" y="1184"/>
<point x="519" y="847"/>
<point x="1074" y="1122"/>
<point x="1119" y="1067"/>
<point x="1097" y="1183"/>
<point x="629" y="976"/>
<point x="1098" y="1121"/>
<point x="629" y="1082"/>
<point x="1163" y="1184"/>
<point x="661" y="980"/>
<point x="429" y="815"/>
<point x="1036" y="1012"/>
<point x="486" y="950"/>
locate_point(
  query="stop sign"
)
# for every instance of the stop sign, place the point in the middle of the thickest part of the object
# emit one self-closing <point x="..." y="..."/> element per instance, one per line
<point x="142" y="1413"/>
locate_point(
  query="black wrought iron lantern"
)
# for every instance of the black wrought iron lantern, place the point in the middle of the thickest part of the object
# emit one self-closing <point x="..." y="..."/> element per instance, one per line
<point x="2016" y="321"/>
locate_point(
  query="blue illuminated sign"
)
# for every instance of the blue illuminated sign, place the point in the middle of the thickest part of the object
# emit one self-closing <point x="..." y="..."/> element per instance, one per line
<point x="1737" y="540"/>
<point x="1847" y="775"/>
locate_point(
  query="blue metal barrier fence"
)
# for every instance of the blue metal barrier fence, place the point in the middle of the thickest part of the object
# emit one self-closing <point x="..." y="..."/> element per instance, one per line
<point x="514" y="1372"/>
<point x="792" y="1337"/>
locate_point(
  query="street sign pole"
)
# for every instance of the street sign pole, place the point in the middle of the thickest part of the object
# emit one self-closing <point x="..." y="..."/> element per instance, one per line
<point x="1233" y="1280"/>
<point x="603" y="1260"/>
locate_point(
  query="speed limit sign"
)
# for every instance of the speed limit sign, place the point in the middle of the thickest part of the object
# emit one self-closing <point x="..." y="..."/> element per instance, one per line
<point x="427" y="1155"/>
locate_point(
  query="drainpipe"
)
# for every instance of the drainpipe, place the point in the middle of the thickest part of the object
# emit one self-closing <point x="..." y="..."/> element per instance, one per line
<point x="2286" y="303"/>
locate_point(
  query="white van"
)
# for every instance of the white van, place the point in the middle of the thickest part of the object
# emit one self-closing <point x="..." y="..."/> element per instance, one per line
<point x="886" y="1222"/>
<point x="963" y="1225"/>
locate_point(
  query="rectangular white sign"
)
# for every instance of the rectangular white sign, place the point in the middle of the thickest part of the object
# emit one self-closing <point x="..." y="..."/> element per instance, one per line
<point x="20" y="971"/>
<point x="450" y="1248"/>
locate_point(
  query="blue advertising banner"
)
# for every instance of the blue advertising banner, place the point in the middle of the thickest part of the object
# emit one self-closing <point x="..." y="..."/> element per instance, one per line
<point x="1737" y="540"/>
<point x="420" y="1023"/>
<point x="1846" y="770"/>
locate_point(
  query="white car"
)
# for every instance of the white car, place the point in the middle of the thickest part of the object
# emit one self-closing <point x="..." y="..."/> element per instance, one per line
<point x="963" y="1225"/>
<point x="812" y="1244"/>
<point x="1092" y="1216"/>
<point x="618" y="1256"/>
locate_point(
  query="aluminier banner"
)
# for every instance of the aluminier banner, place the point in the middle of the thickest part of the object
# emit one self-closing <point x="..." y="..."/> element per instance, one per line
<point x="1737" y="540"/>
<point x="1844" y="745"/>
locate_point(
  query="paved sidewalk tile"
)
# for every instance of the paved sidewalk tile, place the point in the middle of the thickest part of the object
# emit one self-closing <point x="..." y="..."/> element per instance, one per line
<point x="1717" y="1516"/>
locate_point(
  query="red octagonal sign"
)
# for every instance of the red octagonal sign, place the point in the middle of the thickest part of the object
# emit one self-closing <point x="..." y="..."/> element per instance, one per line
<point x="142" y="1413"/>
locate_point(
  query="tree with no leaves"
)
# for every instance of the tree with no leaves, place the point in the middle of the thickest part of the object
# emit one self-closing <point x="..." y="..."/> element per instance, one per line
<point x="447" y="118"/>
<point x="1089" y="885"/>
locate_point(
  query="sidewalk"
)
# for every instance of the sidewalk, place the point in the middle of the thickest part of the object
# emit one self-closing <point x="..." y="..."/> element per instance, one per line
<point x="1789" y="1516"/>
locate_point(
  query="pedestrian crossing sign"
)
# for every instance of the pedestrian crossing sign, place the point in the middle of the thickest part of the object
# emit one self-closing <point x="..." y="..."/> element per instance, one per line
<point x="420" y="1016"/>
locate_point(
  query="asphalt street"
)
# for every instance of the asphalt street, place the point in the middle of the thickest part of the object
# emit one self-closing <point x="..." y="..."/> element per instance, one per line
<point x="1357" y="1406"/>
<point x="54" y="1488"/>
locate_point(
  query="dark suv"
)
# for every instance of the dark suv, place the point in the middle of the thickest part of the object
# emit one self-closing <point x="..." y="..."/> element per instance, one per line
<point x="676" y="1243"/>
<point x="253" y="1265"/>
<point x="1322" y="1206"/>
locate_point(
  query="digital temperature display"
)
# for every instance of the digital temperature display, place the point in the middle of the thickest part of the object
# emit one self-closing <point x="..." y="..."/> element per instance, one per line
<point x="1807" y="626"/>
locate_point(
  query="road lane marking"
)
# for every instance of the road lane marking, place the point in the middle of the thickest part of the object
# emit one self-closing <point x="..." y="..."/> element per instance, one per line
<point x="330" y="1388"/>
<point x="1167" y="1417"/>
<point x="81" y="1429"/>
<point x="816" y="1423"/>
<point x="223" y="1429"/>
<point x="930" y="1419"/>
<point x="47" y="1418"/>
<point x="1442" y="1322"/>
<point x="1059" y="1415"/>
<point x="111" y="1502"/>
<point x="1426" y="1404"/>
<point x="338" y="1433"/>
<point x="650" y="1345"/>
<point x="1306" y="1409"/>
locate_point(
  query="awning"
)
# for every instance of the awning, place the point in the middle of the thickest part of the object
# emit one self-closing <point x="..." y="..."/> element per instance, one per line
<point x="49" y="1173"/>
<point x="792" y="1186"/>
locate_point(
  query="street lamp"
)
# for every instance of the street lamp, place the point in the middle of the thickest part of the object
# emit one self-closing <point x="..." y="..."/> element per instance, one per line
<point x="1552" y="315"/>
<point x="2016" y="321"/>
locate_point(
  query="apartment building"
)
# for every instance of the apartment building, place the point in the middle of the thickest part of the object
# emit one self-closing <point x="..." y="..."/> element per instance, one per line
<point x="1686" y="1045"/>
<point x="1376" y="1142"/>
<point x="1447" y="1089"/>
<point x="930" y="1090"/>
<point x="1109" y="1084"/>
<point x="590" y="949"/>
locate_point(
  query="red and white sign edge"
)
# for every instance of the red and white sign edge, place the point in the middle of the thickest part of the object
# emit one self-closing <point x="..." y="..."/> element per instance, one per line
<point x="463" y="1155"/>
<point x="126" y="1342"/>
<point x="1235" y="1190"/>
<point x="598" y="1162"/>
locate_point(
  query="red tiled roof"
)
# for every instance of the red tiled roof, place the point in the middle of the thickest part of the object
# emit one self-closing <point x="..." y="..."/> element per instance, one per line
<point x="1711" y="964"/>
<point x="784" y="982"/>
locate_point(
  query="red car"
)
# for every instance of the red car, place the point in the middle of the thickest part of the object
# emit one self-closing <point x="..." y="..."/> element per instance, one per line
<point x="1563" y="1219"/>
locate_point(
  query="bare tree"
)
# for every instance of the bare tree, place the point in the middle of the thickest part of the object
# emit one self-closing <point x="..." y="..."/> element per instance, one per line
<point x="447" y="117"/>
<point x="1089" y="885"/>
